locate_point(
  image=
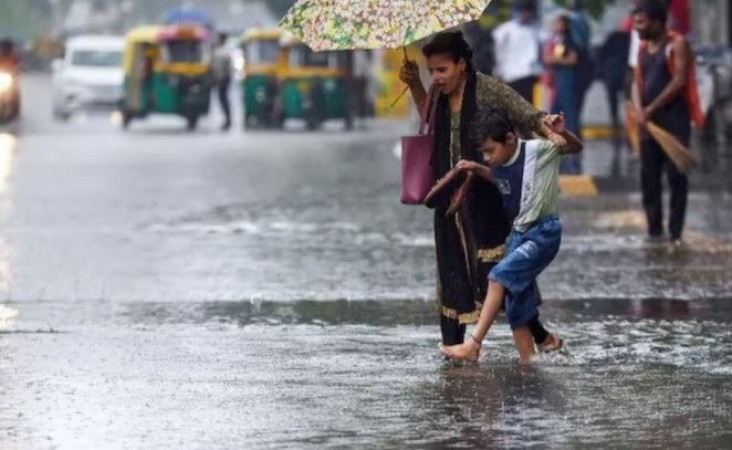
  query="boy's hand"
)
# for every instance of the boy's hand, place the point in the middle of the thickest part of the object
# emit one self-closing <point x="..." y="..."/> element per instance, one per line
<point x="557" y="139"/>
<point x="409" y="72"/>
<point x="641" y="116"/>
<point x="556" y="123"/>
<point x="467" y="166"/>
<point x="551" y="126"/>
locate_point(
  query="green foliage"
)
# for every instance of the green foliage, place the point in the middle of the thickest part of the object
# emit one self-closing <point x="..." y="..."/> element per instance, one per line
<point x="279" y="7"/>
<point x="594" y="7"/>
<point x="23" y="18"/>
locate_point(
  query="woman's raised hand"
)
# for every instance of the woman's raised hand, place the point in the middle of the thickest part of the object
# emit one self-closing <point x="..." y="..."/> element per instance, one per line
<point x="409" y="72"/>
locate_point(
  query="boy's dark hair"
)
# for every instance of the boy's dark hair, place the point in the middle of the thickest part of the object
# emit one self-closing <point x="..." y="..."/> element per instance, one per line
<point x="451" y="43"/>
<point x="490" y="123"/>
<point x="654" y="9"/>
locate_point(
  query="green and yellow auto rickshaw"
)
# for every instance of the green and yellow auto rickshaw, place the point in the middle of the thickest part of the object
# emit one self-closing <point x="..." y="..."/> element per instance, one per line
<point x="315" y="86"/>
<point x="167" y="70"/>
<point x="263" y="61"/>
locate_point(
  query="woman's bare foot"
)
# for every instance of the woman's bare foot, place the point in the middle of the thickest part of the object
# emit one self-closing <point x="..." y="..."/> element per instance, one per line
<point x="468" y="351"/>
<point x="551" y="344"/>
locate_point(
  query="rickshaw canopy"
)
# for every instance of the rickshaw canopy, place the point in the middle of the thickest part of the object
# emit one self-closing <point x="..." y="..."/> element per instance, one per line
<point x="261" y="34"/>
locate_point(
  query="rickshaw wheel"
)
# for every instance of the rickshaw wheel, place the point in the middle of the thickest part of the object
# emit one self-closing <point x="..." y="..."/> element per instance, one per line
<point x="349" y="122"/>
<point x="191" y="122"/>
<point x="126" y="119"/>
<point x="313" y="123"/>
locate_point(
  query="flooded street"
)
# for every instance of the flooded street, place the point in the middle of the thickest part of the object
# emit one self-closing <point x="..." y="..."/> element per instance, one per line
<point x="163" y="289"/>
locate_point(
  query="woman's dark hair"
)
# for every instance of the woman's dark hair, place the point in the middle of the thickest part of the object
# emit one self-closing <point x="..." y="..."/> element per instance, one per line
<point x="490" y="123"/>
<point x="451" y="43"/>
<point x="564" y="18"/>
<point x="654" y="9"/>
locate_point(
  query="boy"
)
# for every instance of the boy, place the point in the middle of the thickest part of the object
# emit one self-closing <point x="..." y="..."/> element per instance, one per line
<point x="527" y="174"/>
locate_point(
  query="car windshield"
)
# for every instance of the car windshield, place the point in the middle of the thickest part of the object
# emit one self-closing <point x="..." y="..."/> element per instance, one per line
<point x="96" y="58"/>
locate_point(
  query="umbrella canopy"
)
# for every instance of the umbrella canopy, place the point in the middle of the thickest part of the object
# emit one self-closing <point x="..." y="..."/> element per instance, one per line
<point x="372" y="24"/>
<point x="188" y="15"/>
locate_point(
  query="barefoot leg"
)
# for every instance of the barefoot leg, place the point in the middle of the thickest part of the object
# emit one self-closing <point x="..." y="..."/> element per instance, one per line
<point x="524" y="343"/>
<point x="471" y="348"/>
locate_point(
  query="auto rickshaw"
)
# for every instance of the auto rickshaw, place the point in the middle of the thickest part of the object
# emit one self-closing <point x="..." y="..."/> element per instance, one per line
<point x="167" y="70"/>
<point x="315" y="86"/>
<point x="262" y="63"/>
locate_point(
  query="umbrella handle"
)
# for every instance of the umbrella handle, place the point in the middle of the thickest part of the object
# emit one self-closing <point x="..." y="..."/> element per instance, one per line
<point x="406" y="58"/>
<point x="399" y="97"/>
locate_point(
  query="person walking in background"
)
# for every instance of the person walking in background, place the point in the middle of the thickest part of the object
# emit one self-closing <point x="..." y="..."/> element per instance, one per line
<point x="561" y="56"/>
<point x="222" y="68"/>
<point x="517" y="50"/>
<point x="665" y="84"/>
<point x="612" y="59"/>
<point x="580" y="30"/>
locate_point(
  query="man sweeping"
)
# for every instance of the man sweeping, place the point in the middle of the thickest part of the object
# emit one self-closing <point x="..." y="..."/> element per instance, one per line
<point x="666" y="88"/>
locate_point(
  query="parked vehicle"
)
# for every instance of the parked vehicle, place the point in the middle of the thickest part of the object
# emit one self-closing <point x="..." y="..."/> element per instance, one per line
<point x="167" y="71"/>
<point x="714" y="77"/>
<point x="9" y="97"/>
<point x="264" y="62"/>
<point x="89" y="77"/>
<point x="315" y="86"/>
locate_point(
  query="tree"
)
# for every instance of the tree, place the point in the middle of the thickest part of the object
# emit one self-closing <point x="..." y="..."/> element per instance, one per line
<point x="595" y="8"/>
<point x="279" y="7"/>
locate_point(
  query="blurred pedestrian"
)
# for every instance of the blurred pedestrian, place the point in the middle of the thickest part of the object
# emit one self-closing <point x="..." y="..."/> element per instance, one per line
<point x="479" y="34"/>
<point x="581" y="32"/>
<point x="561" y="56"/>
<point x="470" y="242"/>
<point x="668" y="97"/>
<point x="612" y="58"/>
<point x="517" y="50"/>
<point x="222" y="69"/>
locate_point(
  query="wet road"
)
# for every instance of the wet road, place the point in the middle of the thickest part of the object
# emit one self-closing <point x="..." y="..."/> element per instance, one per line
<point x="161" y="289"/>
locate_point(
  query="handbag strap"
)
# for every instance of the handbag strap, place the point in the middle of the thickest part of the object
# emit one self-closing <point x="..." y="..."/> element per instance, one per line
<point x="427" y="121"/>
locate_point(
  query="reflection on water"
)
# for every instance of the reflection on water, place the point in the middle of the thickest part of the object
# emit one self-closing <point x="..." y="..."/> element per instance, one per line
<point x="7" y="150"/>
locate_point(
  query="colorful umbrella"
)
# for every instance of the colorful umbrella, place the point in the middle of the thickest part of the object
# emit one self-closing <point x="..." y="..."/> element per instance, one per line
<point x="371" y="24"/>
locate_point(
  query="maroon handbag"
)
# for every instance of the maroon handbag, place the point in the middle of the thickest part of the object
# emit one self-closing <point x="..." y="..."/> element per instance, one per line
<point x="417" y="175"/>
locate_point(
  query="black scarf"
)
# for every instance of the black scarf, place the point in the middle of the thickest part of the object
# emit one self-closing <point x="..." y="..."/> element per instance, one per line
<point x="484" y="224"/>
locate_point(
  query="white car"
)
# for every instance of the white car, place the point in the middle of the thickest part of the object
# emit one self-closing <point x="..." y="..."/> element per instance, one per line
<point x="90" y="75"/>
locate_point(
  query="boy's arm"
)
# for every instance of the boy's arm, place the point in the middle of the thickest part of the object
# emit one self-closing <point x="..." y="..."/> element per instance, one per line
<point x="574" y="144"/>
<point x="481" y="170"/>
<point x="570" y="143"/>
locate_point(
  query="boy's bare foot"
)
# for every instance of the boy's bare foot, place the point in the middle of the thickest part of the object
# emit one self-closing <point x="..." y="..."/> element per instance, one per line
<point x="468" y="351"/>
<point x="551" y="344"/>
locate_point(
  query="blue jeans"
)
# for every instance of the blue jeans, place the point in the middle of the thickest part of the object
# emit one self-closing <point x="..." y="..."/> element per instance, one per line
<point x="528" y="253"/>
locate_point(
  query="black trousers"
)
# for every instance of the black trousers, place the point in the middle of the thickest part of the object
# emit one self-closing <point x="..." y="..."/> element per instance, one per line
<point x="223" y="93"/>
<point x="525" y="87"/>
<point x="653" y="163"/>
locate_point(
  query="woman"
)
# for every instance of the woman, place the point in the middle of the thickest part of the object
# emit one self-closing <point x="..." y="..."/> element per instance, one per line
<point x="469" y="242"/>
<point x="561" y="55"/>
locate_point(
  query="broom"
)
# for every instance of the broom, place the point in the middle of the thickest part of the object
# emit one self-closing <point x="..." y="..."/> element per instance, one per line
<point x="631" y="127"/>
<point x="679" y="155"/>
